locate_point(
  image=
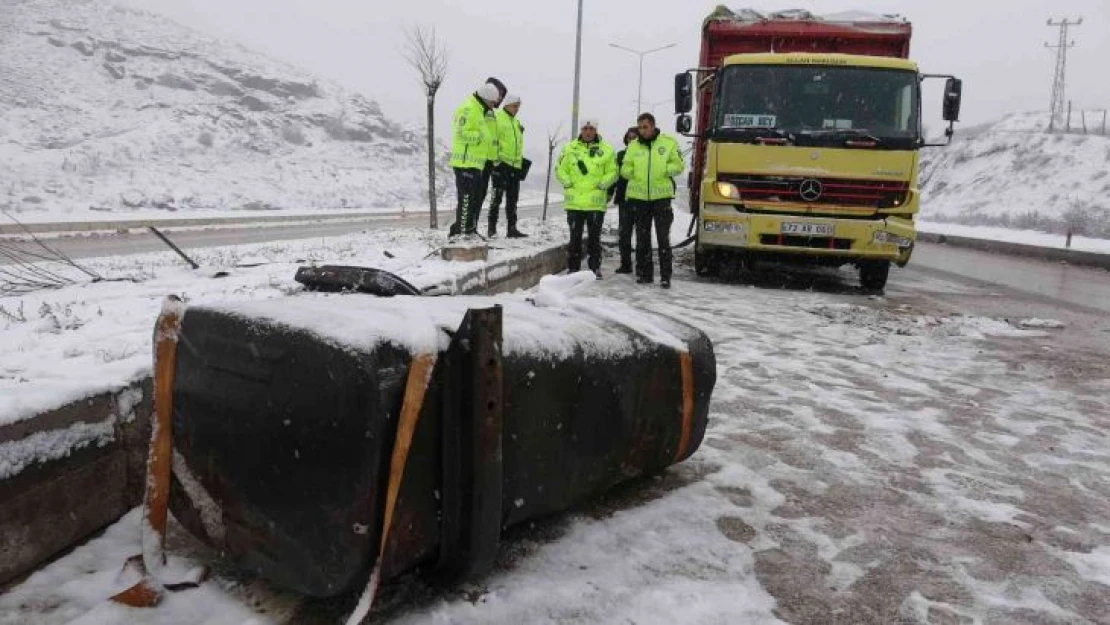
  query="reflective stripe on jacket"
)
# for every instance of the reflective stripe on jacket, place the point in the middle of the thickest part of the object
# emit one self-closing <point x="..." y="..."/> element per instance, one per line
<point x="649" y="167"/>
<point x="586" y="190"/>
<point x="510" y="140"/>
<point x="472" y="141"/>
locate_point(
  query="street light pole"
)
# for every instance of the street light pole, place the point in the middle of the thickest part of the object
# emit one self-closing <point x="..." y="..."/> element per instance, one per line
<point x="577" y="74"/>
<point x="640" y="83"/>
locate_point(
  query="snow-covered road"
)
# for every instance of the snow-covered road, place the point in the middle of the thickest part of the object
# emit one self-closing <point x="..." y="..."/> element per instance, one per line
<point x="868" y="460"/>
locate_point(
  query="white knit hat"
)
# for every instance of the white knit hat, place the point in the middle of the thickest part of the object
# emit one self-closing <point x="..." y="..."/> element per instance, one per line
<point x="488" y="92"/>
<point x="510" y="100"/>
<point x="591" y="122"/>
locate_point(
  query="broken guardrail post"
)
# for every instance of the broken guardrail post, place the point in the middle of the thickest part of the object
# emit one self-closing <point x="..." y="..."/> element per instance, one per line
<point x="167" y="241"/>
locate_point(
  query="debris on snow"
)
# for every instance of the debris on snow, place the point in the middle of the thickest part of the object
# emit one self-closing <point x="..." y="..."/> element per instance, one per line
<point x="1048" y="324"/>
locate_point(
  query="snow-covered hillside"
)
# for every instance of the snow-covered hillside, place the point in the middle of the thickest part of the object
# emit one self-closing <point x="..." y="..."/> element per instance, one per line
<point x="106" y="108"/>
<point x="1013" y="174"/>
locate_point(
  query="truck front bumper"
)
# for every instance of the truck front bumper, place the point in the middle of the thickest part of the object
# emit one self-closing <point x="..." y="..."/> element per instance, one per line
<point x="726" y="227"/>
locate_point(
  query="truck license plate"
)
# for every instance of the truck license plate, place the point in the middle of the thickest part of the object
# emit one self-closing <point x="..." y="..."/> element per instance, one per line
<point x="808" y="230"/>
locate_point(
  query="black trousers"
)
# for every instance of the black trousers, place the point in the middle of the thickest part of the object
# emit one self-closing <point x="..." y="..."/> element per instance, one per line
<point x="507" y="188"/>
<point x="487" y="171"/>
<point x="626" y="226"/>
<point x="659" y="214"/>
<point x="468" y="188"/>
<point x="591" y="221"/>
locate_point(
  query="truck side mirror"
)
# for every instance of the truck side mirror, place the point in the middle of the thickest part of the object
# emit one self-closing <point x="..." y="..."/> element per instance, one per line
<point x="683" y="124"/>
<point x="683" y="93"/>
<point x="953" y="95"/>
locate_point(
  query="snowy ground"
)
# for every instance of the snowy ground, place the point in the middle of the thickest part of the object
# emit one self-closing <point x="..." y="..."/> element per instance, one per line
<point x="867" y="461"/>
<point x="64" y="344"/>
<point x="1010" y="235"/>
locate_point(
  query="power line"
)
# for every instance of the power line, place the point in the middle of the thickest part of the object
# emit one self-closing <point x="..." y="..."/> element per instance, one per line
<point x="1059" y="81"/>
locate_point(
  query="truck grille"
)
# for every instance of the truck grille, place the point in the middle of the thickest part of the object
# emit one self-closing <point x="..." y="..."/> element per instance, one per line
<point x="817" y="243"/>
<point x="822" y="191"/>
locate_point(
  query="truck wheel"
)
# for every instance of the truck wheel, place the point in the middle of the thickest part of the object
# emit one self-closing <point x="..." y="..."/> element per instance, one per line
<point x="706" y="264"/>
<point x="873" y="274"/>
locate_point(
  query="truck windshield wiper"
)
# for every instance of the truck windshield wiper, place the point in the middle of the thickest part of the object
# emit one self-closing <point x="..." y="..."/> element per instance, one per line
<point x="766" y="135"/>
<point x="847" y="133"/>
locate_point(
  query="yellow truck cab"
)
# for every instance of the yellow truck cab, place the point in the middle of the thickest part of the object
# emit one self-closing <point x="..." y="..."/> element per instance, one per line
<point x="806" y="156"/>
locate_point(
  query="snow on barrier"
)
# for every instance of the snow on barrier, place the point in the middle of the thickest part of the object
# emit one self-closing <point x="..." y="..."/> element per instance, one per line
<point x="323" y="437"/>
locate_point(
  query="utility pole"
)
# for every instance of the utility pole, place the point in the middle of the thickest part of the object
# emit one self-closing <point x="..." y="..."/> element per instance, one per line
<point x="641" y="54"/>
<point x="1059" y="81"/>
<point x="577" y="74"/>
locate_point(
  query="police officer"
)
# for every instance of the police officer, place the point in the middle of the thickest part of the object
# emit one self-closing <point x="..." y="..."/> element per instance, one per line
<point x="491" y="120"/>
<point x="508" y="171"/>
<point x="627" y="221"/>
<point x="650" y="164"/>
<point x="472" y="144"/>
<point x="587" y="168"/>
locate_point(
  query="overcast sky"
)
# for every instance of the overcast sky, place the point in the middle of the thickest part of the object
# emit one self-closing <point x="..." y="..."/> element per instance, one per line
<point x="996" y="46"/>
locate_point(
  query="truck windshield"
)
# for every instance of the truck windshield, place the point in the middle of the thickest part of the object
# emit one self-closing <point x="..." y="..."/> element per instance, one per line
<point x="819" y="105"/>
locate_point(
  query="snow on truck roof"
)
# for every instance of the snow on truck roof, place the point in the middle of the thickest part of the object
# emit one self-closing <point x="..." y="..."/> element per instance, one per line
<point x="859" y="18"/>
<point x="808" y="58"/>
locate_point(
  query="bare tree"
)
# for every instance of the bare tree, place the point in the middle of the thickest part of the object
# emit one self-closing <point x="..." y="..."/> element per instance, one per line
<point x="552" y="141"/>
<point x="429" y="58"/>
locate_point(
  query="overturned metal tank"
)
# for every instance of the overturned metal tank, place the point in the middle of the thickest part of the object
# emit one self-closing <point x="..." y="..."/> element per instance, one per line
<point x="319" y="437"/>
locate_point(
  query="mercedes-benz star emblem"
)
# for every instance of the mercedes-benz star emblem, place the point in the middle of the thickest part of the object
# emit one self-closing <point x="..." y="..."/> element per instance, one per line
<point x="811" y="190"/>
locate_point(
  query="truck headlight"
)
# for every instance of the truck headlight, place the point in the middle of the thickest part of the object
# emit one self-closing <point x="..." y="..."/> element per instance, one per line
<point x="729" y="190"/>
<point x="720" y="226"/>
<point x="882" y="236"/>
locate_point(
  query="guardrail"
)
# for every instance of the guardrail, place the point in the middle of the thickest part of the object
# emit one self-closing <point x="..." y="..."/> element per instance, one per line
<point x="1074" y="257"/>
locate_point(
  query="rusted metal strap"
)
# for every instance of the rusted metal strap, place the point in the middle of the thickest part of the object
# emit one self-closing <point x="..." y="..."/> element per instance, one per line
<point x="472" y="462"/>
<point x="147" y="592"/>
<point x="686" y="365"/>
<point x="416" y="388"/>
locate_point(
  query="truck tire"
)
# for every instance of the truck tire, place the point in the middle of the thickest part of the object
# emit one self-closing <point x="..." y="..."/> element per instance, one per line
<point x="873" y="274"/>
<point x="707" y="264"/>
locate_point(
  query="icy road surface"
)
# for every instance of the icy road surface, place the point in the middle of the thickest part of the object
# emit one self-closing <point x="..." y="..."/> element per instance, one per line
<point x="936" y="456"/>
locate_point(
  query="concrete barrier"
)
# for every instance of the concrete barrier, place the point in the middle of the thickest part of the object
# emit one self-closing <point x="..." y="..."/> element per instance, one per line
<point x="1074" y="257"/>
<point x="49" y="507"/>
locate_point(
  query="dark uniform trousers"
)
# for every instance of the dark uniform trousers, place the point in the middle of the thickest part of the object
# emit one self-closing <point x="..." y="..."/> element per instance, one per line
<point x="468" y="188"/>
<point x="507" y="187"/>
<point x="659" y="214"/>
<point x="590" y="221"/>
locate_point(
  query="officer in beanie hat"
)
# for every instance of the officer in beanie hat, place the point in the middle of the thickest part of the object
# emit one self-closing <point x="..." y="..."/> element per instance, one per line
<point x="587" y="168"/>
<point x="491" y="120"/>
<point x="509" y="170"/>
<point x="471" y="146"/>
